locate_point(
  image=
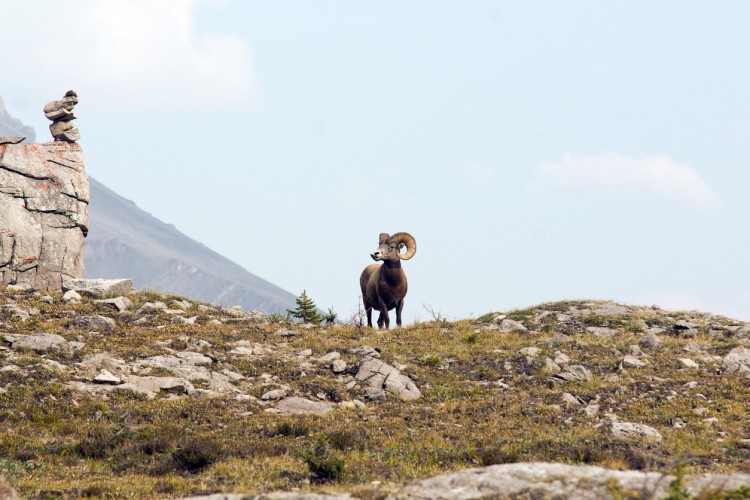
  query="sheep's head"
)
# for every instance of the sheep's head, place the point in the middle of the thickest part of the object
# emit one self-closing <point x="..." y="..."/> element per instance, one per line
<point x="390" y="247"/>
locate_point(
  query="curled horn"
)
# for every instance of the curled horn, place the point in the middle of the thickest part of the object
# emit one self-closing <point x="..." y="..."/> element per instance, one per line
<point x="409" y="241"/>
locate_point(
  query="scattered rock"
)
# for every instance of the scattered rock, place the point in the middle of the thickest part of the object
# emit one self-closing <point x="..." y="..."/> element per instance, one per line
<point x="532" y="352"/>
<point x="105" y="377"/>
<point x="152" y="308"/>
<point x="71" y="297"/>
<point x="183" y="320"/>
<point x="630" y="430"/>
<point x="275" y="394"/>
<point x="550" y="366"/>
<point x="559" y="339"/>
<point x="119" y="303"/>
<point x="687" y="363"/>
<point x="650" y="341"/>
<point x="632" y="362"/>
<point x="17" y="312"/>
<point x="737" y="360"/>
<point x="286" y="332"/>
<point x="329" y="358"/>
<point x="382" y="376"/>
<point x="509" y="325"/>
<point x="98" y="323"/>
<point x="38" y="342"/>
<point x="574" y="372"/>
<point x="601" y="331"/>
<point x="571" y="400"/>
<point x="301" y="406"/>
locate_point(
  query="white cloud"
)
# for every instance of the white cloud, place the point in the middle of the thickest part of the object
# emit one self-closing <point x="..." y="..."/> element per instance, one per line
<point x="137" y="52"/>
<point x="613" y="172"/>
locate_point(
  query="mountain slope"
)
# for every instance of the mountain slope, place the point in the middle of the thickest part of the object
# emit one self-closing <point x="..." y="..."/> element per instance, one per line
<point x="10" y="127"/>
<point x="126" y="242"/>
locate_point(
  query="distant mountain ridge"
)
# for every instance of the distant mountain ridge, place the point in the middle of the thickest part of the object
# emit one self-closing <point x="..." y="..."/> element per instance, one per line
<point x="10" y="126"/>
<point x="126" y="242"/>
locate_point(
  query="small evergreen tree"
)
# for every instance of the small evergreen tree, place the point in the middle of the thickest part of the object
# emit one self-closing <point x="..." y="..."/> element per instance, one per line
<point x="306" y="310"/>
<point x="330" y="318"/>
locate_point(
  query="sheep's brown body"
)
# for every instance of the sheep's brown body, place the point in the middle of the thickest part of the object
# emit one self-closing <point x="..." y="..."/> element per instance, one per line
<point x="384" y="286"/>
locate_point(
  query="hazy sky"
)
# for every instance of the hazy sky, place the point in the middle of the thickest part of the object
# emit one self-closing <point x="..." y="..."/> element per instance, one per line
<point x="537" y="151"/>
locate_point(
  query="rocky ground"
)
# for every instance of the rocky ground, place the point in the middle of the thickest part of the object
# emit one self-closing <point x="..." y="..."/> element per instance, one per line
<point x="107" y="393"/>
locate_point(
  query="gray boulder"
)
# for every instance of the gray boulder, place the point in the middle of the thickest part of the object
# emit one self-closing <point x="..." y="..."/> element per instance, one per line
<point x="737" y="360"/>
<point x="98" y="323"/>
<point x="630" y="430"/>
<point x="509" y="325"/>
<point x="119" y="303"/>
<point x="379" y="375"/>
<point x="573" y="373"/>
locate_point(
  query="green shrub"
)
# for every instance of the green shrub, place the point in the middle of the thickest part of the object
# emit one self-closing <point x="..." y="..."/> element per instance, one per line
<point x="324" y="463"/>
<point x="195" y="454"/>
<point x="295" y="429"/>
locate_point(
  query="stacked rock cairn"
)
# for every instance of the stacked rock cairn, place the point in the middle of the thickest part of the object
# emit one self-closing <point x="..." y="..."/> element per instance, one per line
<point x="61" y="114"/>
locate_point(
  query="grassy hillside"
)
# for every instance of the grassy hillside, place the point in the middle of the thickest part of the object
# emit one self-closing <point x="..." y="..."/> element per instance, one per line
<point x="547" y="383"/>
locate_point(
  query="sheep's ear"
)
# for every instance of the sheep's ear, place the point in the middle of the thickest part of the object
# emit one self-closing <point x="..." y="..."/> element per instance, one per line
<point x="400" y="247"/>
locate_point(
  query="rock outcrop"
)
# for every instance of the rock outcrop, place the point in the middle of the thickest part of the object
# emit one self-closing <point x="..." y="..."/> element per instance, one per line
<point x="551" y="480"/>
<point x="44" y="195"/>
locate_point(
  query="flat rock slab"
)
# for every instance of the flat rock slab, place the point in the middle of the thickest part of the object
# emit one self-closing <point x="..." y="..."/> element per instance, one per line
<point x="185" y="364"/>
<point x="99" y="323"/>
<point x="560" y="481"/>
<point x="301" y="406"/>
<point x="119" y="303"/>
<point x="630" y="430"/>
<point x="39" y="342"/>
<point x="99" y="288"/>
<point x="12" y="140"/>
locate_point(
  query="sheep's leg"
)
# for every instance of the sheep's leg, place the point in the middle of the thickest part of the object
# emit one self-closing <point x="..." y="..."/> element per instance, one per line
<point x="368" y="310"/>
<point x="399" y="308"/>
<point x="383" y="319"/>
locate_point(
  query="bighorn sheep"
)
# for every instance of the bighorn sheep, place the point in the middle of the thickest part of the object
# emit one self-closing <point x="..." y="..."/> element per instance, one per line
<point x="384" y="286"/>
